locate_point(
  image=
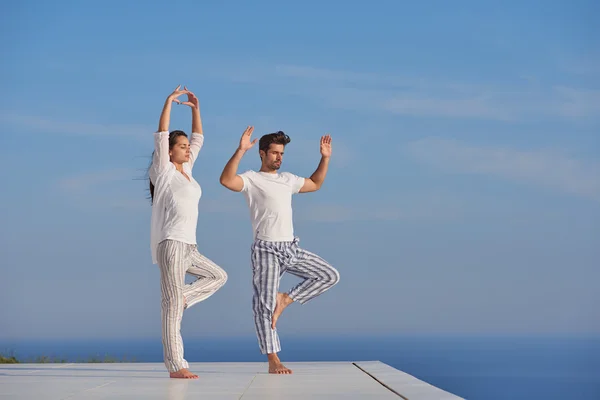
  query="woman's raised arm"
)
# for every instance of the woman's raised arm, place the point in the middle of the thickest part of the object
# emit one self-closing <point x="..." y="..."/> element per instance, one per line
<point x="161" y="137"/>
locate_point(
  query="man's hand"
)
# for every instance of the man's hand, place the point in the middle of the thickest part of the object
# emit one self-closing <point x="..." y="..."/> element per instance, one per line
<point x="245" y="143"/>
<point x="176" y="93"/>
<point x="316" y="179"/>
<point x="192" y="100"/>
<point x="326" y="146"/>
<point x="229" y="177"/>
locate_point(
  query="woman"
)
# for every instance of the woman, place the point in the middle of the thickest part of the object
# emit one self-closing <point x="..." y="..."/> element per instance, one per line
<point x="175" y="196"/>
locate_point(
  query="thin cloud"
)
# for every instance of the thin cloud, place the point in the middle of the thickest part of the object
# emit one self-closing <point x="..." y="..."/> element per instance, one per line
<point x="96" y="178"/>
<point x="371" y="80"/>
<point x="109" y="188"/>
<point x="543" y="168"/>
<point x="417" y="206"/>
<point x="56" y="126"/>
<point x="578" y="102"/>
<point x="224" y="205"/>
<point x="420" y="96"/>
<point x="588" y="66"/>
<point x="342" y="154"/>
<point x="472" y="107"/>
<point x="125" y="188"/>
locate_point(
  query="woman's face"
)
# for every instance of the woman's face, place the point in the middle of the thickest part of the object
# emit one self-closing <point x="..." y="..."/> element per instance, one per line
<point x="180" y="152"/>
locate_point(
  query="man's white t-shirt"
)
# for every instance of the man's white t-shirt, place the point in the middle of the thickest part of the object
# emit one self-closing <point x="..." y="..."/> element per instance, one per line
<point x="269" y="198"/>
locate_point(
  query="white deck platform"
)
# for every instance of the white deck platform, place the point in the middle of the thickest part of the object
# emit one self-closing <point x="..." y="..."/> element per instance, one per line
<point x="222" y="381"/>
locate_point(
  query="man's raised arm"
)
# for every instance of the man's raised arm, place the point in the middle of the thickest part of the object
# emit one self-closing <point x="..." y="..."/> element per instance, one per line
<point x="315" y="181"/>
<point x="229" y="177"/>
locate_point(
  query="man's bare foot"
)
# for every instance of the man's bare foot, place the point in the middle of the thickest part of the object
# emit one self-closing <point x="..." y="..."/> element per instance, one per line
<point x="283" y="300"/>
<point x="276" y="367"/>
<point x="183" y="373"/>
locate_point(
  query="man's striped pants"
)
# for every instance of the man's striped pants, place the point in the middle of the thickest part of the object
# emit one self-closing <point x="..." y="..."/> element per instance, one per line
<point x="175" y="259"/>
<point x="270" y="260"/>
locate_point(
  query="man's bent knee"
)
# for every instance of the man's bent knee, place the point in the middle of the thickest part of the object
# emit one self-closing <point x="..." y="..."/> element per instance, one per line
<point x="334" y="277"/>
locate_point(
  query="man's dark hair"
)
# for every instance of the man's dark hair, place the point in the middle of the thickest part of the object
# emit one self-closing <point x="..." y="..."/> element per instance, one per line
<point x="277" y="138"/>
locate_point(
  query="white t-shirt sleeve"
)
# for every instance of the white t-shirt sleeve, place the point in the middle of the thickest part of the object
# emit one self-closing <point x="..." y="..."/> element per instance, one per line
<point x="160" y="160"/>
<point x="196" y="143"/>
<point x="247" y="181"/>
<point x="296" y="182"/>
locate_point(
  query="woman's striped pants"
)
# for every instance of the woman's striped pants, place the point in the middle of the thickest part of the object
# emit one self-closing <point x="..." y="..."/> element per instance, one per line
<point x="175" y="259"/>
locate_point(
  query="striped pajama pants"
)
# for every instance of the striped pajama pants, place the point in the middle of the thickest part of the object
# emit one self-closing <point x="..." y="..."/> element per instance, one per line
<point x="175" y="259"/>
<point x="270" y="260"/>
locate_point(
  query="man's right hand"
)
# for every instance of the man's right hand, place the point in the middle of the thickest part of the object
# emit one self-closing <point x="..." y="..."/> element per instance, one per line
<point x="229" y="177"/>
<point x="245" y="143"/>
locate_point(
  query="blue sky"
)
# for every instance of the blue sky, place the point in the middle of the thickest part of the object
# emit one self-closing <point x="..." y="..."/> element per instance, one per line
<point x="463" y="195"/>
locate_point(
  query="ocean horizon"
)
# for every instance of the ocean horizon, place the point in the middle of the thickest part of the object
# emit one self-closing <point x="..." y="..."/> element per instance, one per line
<point x="473" y="367"/>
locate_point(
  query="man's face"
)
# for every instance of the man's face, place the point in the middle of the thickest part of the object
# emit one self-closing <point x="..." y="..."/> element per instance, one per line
<point x="273" y="157"/>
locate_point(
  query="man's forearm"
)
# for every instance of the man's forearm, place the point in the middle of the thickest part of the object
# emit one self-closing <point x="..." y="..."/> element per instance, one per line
<point x="230" y="170"/>
<point x="318" y="177"/>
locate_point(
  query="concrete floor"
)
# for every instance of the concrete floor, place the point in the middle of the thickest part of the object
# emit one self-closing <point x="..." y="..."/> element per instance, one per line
<point x="248" y="381"/>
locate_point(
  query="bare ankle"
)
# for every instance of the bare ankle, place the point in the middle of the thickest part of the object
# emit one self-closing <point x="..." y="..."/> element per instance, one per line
<point x="285" y="295"/>
<point x="287" y="299"/>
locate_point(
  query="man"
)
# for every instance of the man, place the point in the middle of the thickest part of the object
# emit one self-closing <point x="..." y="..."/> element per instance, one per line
<point x="275" y="249"/>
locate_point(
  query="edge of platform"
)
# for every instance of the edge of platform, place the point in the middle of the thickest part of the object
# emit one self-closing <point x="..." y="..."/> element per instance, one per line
<point x="404" y="385"/>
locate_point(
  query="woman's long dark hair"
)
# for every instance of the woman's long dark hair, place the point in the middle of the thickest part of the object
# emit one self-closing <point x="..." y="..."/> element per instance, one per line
<point x="172" y="142"/>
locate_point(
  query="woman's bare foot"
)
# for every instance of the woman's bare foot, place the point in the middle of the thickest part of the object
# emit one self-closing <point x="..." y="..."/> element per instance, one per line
<point x="183" y="373"/>
<point x="276" y="367"/>
<point x="283" y="300"/>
